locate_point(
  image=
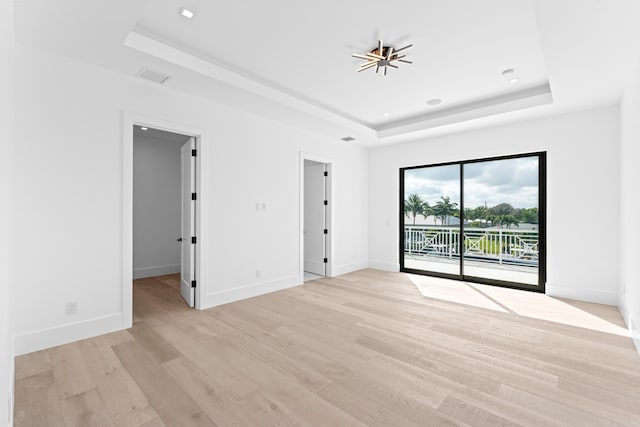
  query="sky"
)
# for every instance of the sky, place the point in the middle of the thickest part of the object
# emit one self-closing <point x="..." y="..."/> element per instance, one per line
<point x="513" y="181"/>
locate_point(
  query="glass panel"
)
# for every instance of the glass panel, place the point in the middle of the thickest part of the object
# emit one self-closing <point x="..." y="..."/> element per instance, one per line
<point x="432" y="219"/>
<point x="501" y="219"/>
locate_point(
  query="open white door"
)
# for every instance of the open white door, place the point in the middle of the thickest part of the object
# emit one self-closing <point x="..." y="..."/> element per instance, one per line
<point x="188" y="227"/>
<point x="314" y="217"/>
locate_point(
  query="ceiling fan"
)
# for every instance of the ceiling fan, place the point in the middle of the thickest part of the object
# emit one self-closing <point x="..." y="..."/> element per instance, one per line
<point x="382" y="57"/>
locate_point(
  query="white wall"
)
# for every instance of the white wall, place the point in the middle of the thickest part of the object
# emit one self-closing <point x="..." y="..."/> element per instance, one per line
<point x="69" y="209"/>
<point x="6" y="142"/>
<point x="156" y="206"/>
<point x="582" y="164"/>
<point x="630" y="206"/>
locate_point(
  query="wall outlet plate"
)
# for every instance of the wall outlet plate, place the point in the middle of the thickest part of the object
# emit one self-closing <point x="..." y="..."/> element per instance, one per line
<point x="71" y="308"/>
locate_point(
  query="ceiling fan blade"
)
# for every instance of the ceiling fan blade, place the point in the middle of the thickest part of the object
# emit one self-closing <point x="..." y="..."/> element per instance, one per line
<point x="389" y="54"/>
<point x="366" y="66"/>
<point x="405" y="61"/>
<point x="403" y="48"/>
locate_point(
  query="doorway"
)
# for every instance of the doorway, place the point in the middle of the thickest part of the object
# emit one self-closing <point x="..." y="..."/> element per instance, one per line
<point x="196" y="295"/>
<point x="316" y="218"/>
<point x="164" y="197"/>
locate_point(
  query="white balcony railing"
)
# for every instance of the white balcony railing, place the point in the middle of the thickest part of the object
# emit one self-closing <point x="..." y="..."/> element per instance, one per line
<point x="511" y="246"/>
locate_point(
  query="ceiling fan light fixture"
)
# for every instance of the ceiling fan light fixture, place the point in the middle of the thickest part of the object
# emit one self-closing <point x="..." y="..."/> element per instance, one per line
<point x="383" y="57"/>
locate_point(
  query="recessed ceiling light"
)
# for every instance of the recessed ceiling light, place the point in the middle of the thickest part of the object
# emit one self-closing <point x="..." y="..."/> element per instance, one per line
<point x="348" y="138"/>
<point x="386" y="114"/>
<point x="514" y="80"/>
<point x="434" y="101"/>
<point x="186" y="13"/>
<point x="144" y="128"/>
<point x="508" y="72"/>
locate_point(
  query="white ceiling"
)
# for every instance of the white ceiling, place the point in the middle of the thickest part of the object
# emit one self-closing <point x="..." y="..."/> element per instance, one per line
<point x="291" y="60"/>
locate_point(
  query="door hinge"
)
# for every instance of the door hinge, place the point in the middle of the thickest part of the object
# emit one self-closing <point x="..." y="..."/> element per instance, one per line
<point x="326" y="231"/>
<point x="326" y="260"/>
<point x="194" y="196"/>
<point x="194" y="152"/>
<point x="326" y="202"/>
<point x="193" y="283"/>
<point x="326" y="173"/>
<point x="193" y="239"/>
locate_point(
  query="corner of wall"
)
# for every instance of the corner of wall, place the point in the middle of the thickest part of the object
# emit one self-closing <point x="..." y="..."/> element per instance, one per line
<point x="588" y="295"/>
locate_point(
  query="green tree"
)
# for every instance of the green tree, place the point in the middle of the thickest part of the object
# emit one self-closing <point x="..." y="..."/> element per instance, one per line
<point x="413" y="206"/>
<point x="445" y="208"/>
<point x="508" y="221"/>
<point x="528" y="215"/>
<point x="501" y="209"/>
<point x="426" y="210"/>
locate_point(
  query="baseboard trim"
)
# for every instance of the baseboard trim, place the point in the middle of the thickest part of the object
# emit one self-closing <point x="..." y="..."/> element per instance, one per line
<point x="160" y="270"/>
<point x="250" y="291"/>
<point x="339" y="270"/>
<point x="582" y="294"/>
<point x="58" y="335"/>
<point x="392" y="267"/>
<point x="634" y="329"/>
<point x="12" y="382"/>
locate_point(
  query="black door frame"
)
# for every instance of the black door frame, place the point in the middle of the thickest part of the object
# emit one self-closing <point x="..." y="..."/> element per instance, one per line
<point x="542" y="225"/>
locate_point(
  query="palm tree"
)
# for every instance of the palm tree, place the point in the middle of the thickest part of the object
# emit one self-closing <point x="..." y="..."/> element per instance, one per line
<point x="426" y="210"/>
<point x="413" y="206"/>
<point x="508" y="221"/>
<point x="445" y="208"/>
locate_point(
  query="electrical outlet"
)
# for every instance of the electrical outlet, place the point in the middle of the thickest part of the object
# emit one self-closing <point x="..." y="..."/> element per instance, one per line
<point x="71" y="308"/>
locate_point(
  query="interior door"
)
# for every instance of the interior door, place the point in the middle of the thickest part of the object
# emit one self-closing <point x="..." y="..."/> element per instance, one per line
<point x="314" y="217"/>
<point x="188" y="205"/>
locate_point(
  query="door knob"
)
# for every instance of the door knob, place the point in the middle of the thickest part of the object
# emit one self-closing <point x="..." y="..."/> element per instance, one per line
<point x="179" y="239"/>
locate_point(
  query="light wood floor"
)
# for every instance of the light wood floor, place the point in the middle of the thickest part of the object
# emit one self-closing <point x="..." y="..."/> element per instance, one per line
<point x="367" y="348"/>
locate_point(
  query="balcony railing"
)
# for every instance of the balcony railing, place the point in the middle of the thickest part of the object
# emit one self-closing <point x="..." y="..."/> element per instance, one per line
<point x="502" y="246"/>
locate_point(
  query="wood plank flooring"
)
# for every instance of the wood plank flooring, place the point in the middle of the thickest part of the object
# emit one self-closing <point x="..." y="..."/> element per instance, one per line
<point x="368" y="348"/>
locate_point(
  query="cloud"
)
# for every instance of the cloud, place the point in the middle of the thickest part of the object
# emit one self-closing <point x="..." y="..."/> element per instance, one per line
<point x="513" y="181"/>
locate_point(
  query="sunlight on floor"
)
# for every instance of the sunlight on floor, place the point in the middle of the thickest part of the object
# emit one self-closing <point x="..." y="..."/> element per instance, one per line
<point x="597" y="317"/>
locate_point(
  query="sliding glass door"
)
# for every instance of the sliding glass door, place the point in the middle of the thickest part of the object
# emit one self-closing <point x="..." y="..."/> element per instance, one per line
<point x="431" y="219"/>
<point x="480" y="220"/>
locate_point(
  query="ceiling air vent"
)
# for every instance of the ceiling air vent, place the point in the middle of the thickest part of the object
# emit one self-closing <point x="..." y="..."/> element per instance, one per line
<point x="348" y="138"/>
<point x="154" y="76"/>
